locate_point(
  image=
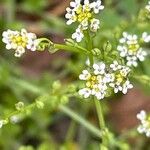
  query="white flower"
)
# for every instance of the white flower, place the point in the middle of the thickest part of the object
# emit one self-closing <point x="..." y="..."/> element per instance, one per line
<point x="20" y="50"/>
<point x="94" y="25"/>
<point x="75" y="4"/>
<point x="99" y="69"/>
<point x="1" y="123"/>
<point x="70" y="15"/>
<point x="97" y="6"/>
<point x="148" y="6"/>
<point x="142" y="115"/>
<point x="108" y="78"/>
<point x="144" y="127"/>
<point x="123" y="50"/>
<point x="85" y="75"/>
<point x="83" y="25"/>
<point x="19" y="41"/>
<point x="130" y="48"/>
<point x="83" y="14"/>
<point x="115" y="66"/>
<point x="127" y="85"/>
<point x="116" y="87"/>
<point x="132" y="39"/>
<point x="146" y="37"/>
<point x="124" y="39"/>
<point x="132" y="61"/>
<point x="14" y="119"/>
<point x="78" y="35"/>
<point x="141" y="54"/>
<point x="85" y="92"/>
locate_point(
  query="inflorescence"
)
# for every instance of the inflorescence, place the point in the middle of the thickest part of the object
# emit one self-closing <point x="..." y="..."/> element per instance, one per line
<point x="148" y="7"/>
<point x="131" y="49"/>
<point x="19" y="41"/>
<point x="144" y="127"/>
<point x="102" y="79"/>
<point x="84" y="16"/>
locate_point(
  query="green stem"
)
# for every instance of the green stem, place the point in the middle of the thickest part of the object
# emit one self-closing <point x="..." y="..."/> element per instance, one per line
<point x="97" y="103"/>
<point x="10" y="11"/>
<point x="80" y="120"/>
<point x="89" y="43"/>
<point x="71" y="132"/>
<point x="70" y="48"/>
<point x="100" y="114"/>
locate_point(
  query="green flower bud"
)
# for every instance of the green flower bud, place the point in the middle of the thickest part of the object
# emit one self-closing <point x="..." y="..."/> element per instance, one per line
<point x="39" y="104"/>
<point x="64" y="99"/>
<point x="69" y="42"/>
<point x="19" y="106"/>
<point x="72" y="88"/>
<point x="107" y="46"/>
<point x="56" y="85"/>
<point x="96" y="52"/>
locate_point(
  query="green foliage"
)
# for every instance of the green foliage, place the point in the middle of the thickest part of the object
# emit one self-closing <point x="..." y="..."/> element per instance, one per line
<point x="32" y="107"/>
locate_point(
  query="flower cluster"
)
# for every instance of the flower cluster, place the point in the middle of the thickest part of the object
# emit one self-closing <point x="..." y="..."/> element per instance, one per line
<point x="148" y="7"/>
<point x="101" y="79"/>
<point x="84" y="15"/>
<point x="19" y="41"/>
<point x="145" y="123"/>
<point x="130" y="48"/>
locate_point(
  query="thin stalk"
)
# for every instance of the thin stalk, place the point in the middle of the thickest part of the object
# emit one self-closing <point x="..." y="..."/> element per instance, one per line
<point x="70" y="48"/>
<point x="71" y="132"/>
<point x="100" y="114"/>
<point x="97" y="103"/>
<point x="80" y="120"/>
<point x="10" y="11"/>
<point x="89" y="43"/>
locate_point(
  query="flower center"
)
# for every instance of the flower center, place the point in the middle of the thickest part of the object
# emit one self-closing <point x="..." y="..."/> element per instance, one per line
<point x="92" y="81"/>
<point x="119" y="77"/>
<point x="83" y="13"/>
<point x="133" y="48"/>
<point x="19" y="40"/>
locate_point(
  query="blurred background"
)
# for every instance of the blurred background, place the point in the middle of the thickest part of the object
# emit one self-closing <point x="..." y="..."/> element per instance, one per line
<point x="48" y="129"/>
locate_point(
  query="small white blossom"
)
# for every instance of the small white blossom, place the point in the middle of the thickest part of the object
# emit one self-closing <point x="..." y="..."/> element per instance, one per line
<point x="85" y="75"/>
<point x="148" y="6"/>
<point x="94" y="25"/>
<point x="97" y="6"/>
<point x="127" y="85"/>
<point x="19" y="41"/>
<point x="78" y="35"/>
<point x="83" y="14"/>
<point x="115" y="66"/>
<point x="14" y="119"/>
<point x="146" y="37"/>
<point x="142" y="115"/>
<point x="132" y="61"/>
<point x="99" y="69"/>
<point x="144" y="127"/>
<point x="86" y="92"/>
<point x="1" y="123"/>
<point x="131" y="49"/>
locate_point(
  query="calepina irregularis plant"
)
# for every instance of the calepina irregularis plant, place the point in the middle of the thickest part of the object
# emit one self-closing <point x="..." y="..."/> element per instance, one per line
<point x="103" y="75"/>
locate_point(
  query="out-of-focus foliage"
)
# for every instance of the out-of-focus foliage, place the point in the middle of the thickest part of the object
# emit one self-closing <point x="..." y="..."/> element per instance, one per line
<point x="48" y="128"/>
